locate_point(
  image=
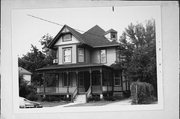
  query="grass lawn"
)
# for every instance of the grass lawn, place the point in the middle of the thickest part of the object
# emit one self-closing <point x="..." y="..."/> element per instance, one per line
<point x="52" y="104"/>
<point x="94" y="103"/>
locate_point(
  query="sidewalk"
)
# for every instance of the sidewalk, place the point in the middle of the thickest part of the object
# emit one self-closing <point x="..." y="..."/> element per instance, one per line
<point x="121" y="102"/>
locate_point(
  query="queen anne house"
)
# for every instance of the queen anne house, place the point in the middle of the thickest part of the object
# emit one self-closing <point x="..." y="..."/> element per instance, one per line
<point x="83" y="65"/>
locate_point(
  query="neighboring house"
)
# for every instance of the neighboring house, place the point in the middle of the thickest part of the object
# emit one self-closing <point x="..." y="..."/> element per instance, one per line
<point x="83" y="64"/>
<point x="25" y="74"/>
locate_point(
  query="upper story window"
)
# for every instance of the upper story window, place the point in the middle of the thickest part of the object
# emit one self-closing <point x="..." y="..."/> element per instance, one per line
<point x="119" y="56"/>
<point x="103" y="56"/>
<point x="113" y="35"/>
<point x="67" y="37"/>
<point x="67" y="55"/>
<point x="80" y="54"/>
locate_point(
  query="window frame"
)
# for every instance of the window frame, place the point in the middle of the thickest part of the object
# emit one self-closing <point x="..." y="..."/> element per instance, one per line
<point x="66" y="40"/>
<point x="105" y="56"/>
<point x="79" y="55"/>
<point x="119" y="78"/>
<point x="64" y="62"/>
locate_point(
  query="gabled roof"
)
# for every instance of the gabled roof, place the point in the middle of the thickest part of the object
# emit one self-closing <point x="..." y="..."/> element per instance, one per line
<point x="24" y="71"/>
<point x="94" y="37"/>
<point x="75" y="33"/>
<point x="111" y="31"/>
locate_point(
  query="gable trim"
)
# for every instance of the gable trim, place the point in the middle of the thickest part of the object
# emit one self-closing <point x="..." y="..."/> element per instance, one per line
<point x="60" y="33"/>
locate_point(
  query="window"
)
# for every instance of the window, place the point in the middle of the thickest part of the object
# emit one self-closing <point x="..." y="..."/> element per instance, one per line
<point x="103" y="56"/>
<point x="80" y="54"/>
<point x="67" y="37"/>
<point x="113" y="35"/>
<point x="67" y="52"/>
<point x="117" y="80"/>
<point x="119" y="56"/>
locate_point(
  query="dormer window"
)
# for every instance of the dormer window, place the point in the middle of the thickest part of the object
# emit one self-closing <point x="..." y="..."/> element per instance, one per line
<point x="113" y="35"/>
<point x="67" y="37"/>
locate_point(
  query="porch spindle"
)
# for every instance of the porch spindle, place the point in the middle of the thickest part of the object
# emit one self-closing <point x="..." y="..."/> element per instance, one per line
<point x="101" y="95"/>
<point x="67" y="84"/>
<point x="90" y="76"/>
<point x="44" y="82"/>
<point x="77" y="81"/>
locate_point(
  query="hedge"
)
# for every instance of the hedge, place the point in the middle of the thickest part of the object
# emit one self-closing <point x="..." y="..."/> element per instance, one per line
<point x="142" y="93"/>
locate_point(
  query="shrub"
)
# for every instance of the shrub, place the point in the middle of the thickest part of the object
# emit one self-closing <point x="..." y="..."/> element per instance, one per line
<point x="142" y="93"/>
<point x="51" y="98"/>
<point x="94" y="98"/>
<point x="32" y="96"/>
<point x="110" y="98"/>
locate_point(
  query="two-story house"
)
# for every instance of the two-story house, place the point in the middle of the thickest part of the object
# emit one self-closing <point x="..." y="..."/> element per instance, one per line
<point x="83" y="64"/>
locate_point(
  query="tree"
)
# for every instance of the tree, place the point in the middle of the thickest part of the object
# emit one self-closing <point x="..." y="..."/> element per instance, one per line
<point x="49" y="53"/>
<point x="31" y="61"/>
<point x="138" y="45"/>
<point x="37" y="59"/>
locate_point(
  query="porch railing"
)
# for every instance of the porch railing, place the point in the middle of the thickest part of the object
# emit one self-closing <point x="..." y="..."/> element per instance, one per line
<point x="96" y="89"/>
<point x="74" y="94"/>
<point x="47" y="89"/>
<point x="55" y="90"/>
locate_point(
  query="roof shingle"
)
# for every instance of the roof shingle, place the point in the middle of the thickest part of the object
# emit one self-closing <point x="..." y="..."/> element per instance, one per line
<point x="94" y="37"/>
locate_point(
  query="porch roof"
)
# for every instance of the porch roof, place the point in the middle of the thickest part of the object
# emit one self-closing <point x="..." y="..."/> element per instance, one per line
<point x="71" y="66"/>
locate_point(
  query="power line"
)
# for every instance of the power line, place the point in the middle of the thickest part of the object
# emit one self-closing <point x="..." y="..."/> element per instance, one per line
<point x="61" y="24"/>
<point x="45" y="20"/>
<point x="50" y="21"/>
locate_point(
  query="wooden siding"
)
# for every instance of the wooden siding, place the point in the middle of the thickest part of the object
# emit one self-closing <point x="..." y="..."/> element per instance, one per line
<point x="87" y="56"/>
<point x="60" y="42"/>
<point x="111" y="56"/>
<point x="95" y="56"/>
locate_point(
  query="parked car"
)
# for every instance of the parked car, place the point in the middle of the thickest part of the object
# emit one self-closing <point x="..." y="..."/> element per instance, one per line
<point x="25" y="103"/>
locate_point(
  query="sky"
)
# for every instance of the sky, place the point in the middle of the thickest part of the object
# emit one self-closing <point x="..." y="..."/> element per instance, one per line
<point x="27" y="30"/>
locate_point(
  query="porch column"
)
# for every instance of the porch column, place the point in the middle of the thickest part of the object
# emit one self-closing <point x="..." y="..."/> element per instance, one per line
<point x="101" y="77"/>
<point x="44" y="85"/>
<point x="107" y="80"/>
<point x="77" y="81"/>
<point x="67" y="84"/>
<point x="90" y="76"/>
<point x="112" y="83"/>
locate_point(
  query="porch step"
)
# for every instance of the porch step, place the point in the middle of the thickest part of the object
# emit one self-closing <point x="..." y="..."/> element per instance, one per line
<point x="80" y="98"/>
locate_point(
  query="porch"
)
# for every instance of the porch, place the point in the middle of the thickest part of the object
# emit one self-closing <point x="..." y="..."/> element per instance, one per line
<point x="76" y="79"/>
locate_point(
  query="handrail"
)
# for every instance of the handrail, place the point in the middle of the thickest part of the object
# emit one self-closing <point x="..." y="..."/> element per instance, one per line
<point x="88" y="93"/>
<point x="74" y="94"/>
